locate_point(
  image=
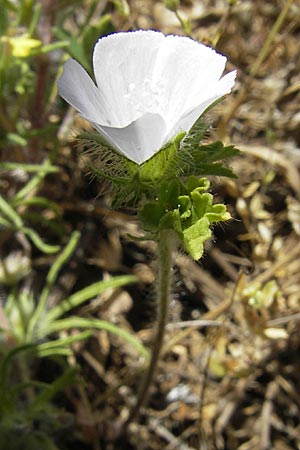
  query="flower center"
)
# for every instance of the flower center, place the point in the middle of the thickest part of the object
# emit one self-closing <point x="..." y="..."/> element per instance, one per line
<point x="150" y="97"/>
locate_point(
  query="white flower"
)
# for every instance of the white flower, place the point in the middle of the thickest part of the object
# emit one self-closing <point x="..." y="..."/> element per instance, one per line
<point x="150" y="87"/>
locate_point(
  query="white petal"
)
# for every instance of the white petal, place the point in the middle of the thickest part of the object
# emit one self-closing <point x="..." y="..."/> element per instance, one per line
<point x="123" y="63"/>
<point x="185" y="122"/>
<point x="187" y="69"/>
<point x="78" y="89"/>
<point x="149" y="88"/>
<point x="139" y="140"/>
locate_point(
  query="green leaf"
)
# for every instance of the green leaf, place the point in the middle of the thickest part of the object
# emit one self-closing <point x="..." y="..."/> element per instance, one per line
<point x="52" y="47"/>
<point x="200" y="184"/>
<point x="172" y="220"/>
<point x="4" y="19"/>
<point x="192" y="215"/>
<point x="172" y="5"/>
<point x="41" y="171"/>
<point x="87" y="293"/>
<point x="122" y="7"/>
<point x="6" y="403"/>
<point x="17" y="437"/>
<point x="10" y="214"/>
<point x="168" y="194"/>
<point x="38" y="201"/>
<point x="202" y="203"/>
<point x="195" y="236"/>
<point x="38" y="242"/>
<point x="185" y="206"/>
<point x="62" y="345"/>
<point x="15" y="138"/>
<point x="81" y="322"/>
<point x="50" y="390"/>
<point x="74" y="48"/>
<point x="92" y="33"/>
<point x="46" y="167"/>
<point x="34" y="323"/>
<point x="218" y="214"/>
<point x="150" y="215"/>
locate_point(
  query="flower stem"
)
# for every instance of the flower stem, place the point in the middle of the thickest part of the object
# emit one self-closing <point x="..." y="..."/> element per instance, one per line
<point x="164" y="262"/>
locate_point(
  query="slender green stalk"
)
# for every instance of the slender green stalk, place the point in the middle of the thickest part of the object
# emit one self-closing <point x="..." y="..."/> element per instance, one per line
<point x="165" y="247"/>
<point x="265" y="50"/>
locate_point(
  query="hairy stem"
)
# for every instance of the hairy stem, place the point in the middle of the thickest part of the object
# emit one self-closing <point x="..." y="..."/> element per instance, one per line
<point x="164" y="263"/>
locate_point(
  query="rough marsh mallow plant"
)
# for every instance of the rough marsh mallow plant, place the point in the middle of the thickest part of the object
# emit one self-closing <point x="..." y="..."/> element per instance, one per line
<point x="150" y="94"/>
<point x="149" y="88"/>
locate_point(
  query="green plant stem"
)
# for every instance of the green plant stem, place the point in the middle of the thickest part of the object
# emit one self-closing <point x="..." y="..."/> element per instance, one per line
<point x="165" y="247"/>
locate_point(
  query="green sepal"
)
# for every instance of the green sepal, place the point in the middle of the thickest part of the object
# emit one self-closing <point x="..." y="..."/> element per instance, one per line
<point x="201" y="159"/>
<point x="162" y="164"/>
<point x="131" y="184"/>
<point x="193" y="138"/>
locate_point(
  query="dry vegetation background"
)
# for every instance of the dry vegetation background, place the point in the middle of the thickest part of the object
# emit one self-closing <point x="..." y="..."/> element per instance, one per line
<point x="229" y="376"/>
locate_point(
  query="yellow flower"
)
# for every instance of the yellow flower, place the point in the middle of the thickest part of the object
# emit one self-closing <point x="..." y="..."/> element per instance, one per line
<point x="21" y="46"/>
